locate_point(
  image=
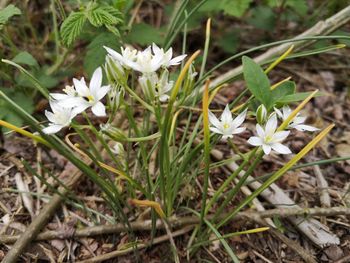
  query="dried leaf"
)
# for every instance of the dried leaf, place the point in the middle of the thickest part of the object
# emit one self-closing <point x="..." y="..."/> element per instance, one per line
<point x="26" y="197"/>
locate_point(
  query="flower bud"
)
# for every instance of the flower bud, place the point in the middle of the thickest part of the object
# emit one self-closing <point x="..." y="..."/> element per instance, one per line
<point x="148" y="85"/>
<point x="261" y="114"/>
<point x="114" y="70"/>
<point x="113" y="133"/>
<point x="118" y="149"/>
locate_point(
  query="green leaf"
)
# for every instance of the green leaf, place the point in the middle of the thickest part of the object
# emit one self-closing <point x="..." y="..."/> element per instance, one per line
<point x="297" y="97"/>
<point x="299" y="6"/>
<point x="21" y="99"/>
<point x="283" y="90"/>
<point x="72" y="27"/>
<point x="235" y="8"/>
<point x="25" y="58"/>
<point x="145" y="34"/>
<point x="229" y="42"/>
<point x="263" y="17"/>
<point x="100" y="16"/>
<point x="8" y="12"/>
<point x="257" y="81"/>
<point x="96" y="54"/>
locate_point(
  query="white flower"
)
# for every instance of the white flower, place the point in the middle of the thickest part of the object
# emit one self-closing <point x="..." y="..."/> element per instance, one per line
<point x="227" y="126"/>
<point x="166" y="57"/>
<point x="269" y="139"/>
<point x="146" y="62"/>
<point x="296" y="122"/>
<point x="127" y="57"/>
<point x="83" y="97"/>
<point x="59" y="118"/>
<point x="152" y="86"/>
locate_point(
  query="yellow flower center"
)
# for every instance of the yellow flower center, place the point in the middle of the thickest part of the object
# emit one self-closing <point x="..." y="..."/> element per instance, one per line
<point x="226" y="125"/>
<point x="268" y="138"/>
<point x="90" y="98"/>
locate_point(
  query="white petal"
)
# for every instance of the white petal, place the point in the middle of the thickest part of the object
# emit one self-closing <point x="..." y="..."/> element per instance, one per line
<point x="227" y="136"/>
<point x="163" y="98"/>
<point x="279" y="113"/>
<point x="72" y="102"/>
<point x="80" y="87"/>
<point x="156" y="49"/>
<point x="114" y="53"/>
<point x="260" y="131"/>
<point x="266" y="149"/>
<point x="239" y="119"/>
<point x="226" y="116"/>
<point x="176" y="60"/>
<point x="280" y="136"/>
<point x="299" y="120"/>
<point x="96" y="80"/>
<point x="286" y="111"/>
<point x="280" y="148"/>
<point x="101" y="92"/>
<point x="256" y="141"/>
<point x="58" y="96"/>
<point x="99" y="109"/>
<point x="50" y="116"/>
<point x="213" y="120"/>
<point x="271" y="125"/>
<point x="215" y="130"/>
<point x="52" y="128"/>
<point x="303" y="127"/>
<point x="238" y="130"/>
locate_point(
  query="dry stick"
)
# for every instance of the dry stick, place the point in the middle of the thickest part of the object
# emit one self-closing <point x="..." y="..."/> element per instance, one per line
<point x="322" y="186"/>
<point x="118" y="253"/>
<point x="318" y="233"/>
<point x="46" y="213"/>
<point x="40" y="220"/>
<point x="176" y="222"/>
<point x="321" y="28"/>
<point x="290" y="243"/>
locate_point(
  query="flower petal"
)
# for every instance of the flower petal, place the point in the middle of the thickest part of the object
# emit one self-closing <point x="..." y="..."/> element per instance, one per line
<point x="260" y="131"/>
<point x="96" y="81"/>
<point x="176" y="60"/>
<point x="238" y="130"/>
<point x="239" y="119"/>
<point x="102" y="92"/>
<point x="255" y="141"/>
<point x="50" y="116"/>
<point x="303" y="127"/>
<point x="81" y="88"/>
<point x="266" y="149"/>
<point x="280" y="136"/>
<point x="216" y="130"/>
<point x="271" y="125"/>
<point x="99" y="109"/>
<point x="213" y="120"/>
<point x="52" y="128"/>
<point x="226" y="116"/>
<point x="280" y="148"/>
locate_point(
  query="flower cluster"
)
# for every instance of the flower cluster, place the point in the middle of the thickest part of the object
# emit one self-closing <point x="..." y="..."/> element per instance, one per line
<point x="80" y="97"/>
<point x="269" y="137"/>
<point x="148" y="62"/>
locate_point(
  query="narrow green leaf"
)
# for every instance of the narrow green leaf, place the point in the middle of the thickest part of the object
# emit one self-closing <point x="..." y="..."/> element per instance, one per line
<point x="297" y="97"/>
<point x="257" y="81"/>
<point x="285" y="89"/>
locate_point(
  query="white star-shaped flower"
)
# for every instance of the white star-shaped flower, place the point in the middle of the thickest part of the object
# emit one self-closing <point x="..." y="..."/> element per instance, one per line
<point x="296" y="122"/>
<point x="83" y="97"/>
<point x="59" y="118"/>
<point x="269" y="139"/>
<point x="227" y="126"/>
<point x="126" y="58"/>
<point x="167" y="59"/>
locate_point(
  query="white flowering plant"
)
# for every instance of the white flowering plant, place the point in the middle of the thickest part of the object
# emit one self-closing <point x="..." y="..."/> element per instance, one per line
<point x="143" y="140"/>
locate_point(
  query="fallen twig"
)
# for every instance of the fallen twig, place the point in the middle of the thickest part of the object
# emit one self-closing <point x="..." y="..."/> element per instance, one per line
<point x="137" y="246"/>
<point x="176" y="222"/>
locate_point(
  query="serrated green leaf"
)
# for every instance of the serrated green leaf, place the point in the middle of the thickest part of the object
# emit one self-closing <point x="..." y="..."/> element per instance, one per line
<point x="72" y="27"/>
<point x="8" y="12"/>
<point x="235" y="8"/>
<point x="283" y="90"/>
<point x="25" y="58"/>
<point x="257" y="81"/>
<point x="297" y="97"/>
<point x="99" y="17"/>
